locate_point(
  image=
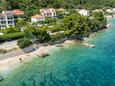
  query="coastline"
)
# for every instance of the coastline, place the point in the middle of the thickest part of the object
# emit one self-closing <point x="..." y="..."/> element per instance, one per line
<point x="8" y="64"/>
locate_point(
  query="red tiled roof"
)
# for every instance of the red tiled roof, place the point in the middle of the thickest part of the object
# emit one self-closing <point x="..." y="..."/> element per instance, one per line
<point x="2" y="14"/>
<point x="17" y="12"/>
<point x="48" y="10"/>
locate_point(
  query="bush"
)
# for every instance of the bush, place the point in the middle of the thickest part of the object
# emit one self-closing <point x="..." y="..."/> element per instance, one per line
<point x="3" y="51"/>
<point x="12" y="36"/>
<point x="10" y="30"/>
<point x="23" y="42"/>
<point x="56" y="37"/>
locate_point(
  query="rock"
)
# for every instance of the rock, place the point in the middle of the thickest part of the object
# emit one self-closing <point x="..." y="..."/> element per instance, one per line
<point x="42" y="54"/>
<point x="1" y="78"/>
<point x="89" y="45"/>
<point x="59" y="45"/>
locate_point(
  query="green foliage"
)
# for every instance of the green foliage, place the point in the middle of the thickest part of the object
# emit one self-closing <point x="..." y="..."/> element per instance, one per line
<point x="60" y="15"/>
<point x="23" y="42"/>
<point x="12" y="36"/>
<point x="41" y="35"/>
<point x="37" y="33"/>
<point x="32" y="7"/>
<point x="56" y="37"/>
<point x="101" y="20"/>
<point x="10" y="30"/>
<point x="77" y="26"/>
<point x="69" y="4"/>
<point x="3" y="51"/>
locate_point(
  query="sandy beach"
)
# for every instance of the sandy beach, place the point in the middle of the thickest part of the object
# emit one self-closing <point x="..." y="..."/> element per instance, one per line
<point x="8" y="64"/>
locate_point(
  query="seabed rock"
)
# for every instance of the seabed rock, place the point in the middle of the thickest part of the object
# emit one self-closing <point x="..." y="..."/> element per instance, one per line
<point x="1" y="78"/>
<point x="89" y="45"/>
<point x="43" y="54"/>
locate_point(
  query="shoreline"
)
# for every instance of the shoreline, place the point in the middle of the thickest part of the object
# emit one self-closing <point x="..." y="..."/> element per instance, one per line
<point x="6" y="65"/>
<point x="9" y="64"/>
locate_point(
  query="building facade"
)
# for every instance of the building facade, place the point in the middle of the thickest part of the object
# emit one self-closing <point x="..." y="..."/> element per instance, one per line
<point x="37" y="18"/>
<point x="84" y="12"/>
<point x="17" y="12"/>
<point x="48" y="12"/>
<point x="6" y="19"/>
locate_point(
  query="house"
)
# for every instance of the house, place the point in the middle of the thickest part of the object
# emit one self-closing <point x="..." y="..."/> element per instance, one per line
<point x="83" y="12"/>
<point x="17" y="12"/>
<point x="111" y="10"/>
<point x="37" y="18"/>
<point x="98" y="10"/>
<point x="6" y="19"/>
<point x="48" y="12"/>
<point x="60" y="10"/>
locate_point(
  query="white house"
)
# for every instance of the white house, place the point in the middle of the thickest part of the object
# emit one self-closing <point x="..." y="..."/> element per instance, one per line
<point x="83" y="12"/>
<point x="114" y="9"/>
<point x="48" y="12"/>
<point x="6" y="19"/>
<point x="109" y="10"/>
<point x="37" y="18"/>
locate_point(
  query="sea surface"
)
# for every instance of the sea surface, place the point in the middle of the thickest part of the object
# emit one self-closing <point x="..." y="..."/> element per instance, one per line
<point x="71" y="65"/>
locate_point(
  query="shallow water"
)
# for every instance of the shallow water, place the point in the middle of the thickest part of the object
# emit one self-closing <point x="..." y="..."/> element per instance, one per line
<point x="72" y="65"/>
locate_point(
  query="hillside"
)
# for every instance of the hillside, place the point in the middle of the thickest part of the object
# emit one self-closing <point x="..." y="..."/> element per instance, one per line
<point x="24" y="4"/>
<point x="33" y="6"/>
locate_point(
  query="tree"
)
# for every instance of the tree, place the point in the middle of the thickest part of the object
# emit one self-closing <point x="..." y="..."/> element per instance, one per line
<point x="41" y="35"/>
<point x="23" y="42"/>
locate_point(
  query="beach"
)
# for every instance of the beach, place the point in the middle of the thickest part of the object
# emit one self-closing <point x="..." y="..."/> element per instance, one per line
<point x="10" y="63"/>
<point x="70" y="65"/>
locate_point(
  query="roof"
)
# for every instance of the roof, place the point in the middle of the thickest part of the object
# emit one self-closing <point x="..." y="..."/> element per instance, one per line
<point x="17" y="12"/>
<point x="2" y="15"/>
<point x="60" y="9"/>
<point x="47" y="10"/>
<point x="37" y="16"/>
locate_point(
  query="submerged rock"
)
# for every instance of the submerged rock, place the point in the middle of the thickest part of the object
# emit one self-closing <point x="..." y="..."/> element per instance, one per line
<point x="1" y="78"/>
<point x="42" y="54"/>
<point x="89" y="45"/>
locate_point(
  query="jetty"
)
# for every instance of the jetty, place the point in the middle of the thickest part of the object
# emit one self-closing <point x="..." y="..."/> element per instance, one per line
<point x="89" y="45"/>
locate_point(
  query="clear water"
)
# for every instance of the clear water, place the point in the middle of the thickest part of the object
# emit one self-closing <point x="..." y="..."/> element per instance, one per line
<point x="72" y="65"/>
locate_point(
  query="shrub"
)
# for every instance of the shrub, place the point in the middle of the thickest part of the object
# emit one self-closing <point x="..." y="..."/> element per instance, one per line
<point x="12" y="36"/>
<point x="23" y="42"/>
<point x="3" y="51"/>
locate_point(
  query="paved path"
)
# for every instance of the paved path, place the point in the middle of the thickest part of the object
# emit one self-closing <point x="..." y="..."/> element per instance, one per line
<point x="9" y="45"/>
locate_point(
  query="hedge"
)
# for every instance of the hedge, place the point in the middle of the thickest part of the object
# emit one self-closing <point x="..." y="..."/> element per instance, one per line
<point x="12" y="36"/>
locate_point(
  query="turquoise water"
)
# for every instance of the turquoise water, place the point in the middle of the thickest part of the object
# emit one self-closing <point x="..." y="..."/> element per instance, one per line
<point x="72" y="65"/>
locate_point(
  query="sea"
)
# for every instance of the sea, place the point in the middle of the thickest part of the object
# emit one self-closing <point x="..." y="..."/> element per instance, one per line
<point x="71" y="65"/>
